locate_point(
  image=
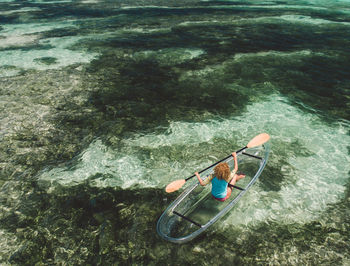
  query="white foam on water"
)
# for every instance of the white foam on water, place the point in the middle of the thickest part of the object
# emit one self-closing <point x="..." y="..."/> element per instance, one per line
<point x="316" y="180"/>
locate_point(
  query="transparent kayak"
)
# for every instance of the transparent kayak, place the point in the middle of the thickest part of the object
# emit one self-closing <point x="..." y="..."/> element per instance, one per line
<point x="195" y="209"/>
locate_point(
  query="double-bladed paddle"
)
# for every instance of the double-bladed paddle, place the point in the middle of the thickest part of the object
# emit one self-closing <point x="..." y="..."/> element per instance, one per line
<point x="256" y="141"/>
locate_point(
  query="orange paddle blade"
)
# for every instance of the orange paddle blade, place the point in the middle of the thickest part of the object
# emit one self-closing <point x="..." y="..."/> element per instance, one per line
<point x="258" y="140"/>
<point x="175" y="185"/>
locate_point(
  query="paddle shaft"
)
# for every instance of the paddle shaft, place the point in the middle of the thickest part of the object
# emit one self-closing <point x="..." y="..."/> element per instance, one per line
<point x="188" y="178"/>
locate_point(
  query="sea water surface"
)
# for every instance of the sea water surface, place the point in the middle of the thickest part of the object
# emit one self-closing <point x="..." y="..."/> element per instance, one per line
<point x="104" y="103"/>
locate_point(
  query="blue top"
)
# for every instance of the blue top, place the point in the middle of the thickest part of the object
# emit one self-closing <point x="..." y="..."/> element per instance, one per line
<point x="219" y="188"/>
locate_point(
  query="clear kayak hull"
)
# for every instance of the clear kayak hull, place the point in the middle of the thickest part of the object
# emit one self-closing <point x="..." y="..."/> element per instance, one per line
<point x="195" y="209"/>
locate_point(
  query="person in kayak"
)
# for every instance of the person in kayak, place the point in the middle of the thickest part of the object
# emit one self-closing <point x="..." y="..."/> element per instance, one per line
<point x="220" y="180"/>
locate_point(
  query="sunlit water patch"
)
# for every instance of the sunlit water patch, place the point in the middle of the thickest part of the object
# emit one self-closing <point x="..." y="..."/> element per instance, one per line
<point x="39" y="59"/>
<point x="50" y="53"/>
<point x="50" y="2"/>
<point x="30" y="28"/>
<point x="295" y="18"/>
<point x="20" y="10"/>
<point x="25" y="34"/>
<point x="312" y="179"/>
<point x="309" y="20"/>
<point x="171" y="55"/>
<point x="312" y="4"/>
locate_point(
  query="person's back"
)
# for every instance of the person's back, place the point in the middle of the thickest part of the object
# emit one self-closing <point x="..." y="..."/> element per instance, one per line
<point x="219" y="188"/>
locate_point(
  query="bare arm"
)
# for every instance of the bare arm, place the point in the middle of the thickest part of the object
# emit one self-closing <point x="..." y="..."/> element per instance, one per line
<point x="199" y="179"/>
<point x="203" y="182"/>
<point x="234" y="175"/>
<point x="235" y="160"/>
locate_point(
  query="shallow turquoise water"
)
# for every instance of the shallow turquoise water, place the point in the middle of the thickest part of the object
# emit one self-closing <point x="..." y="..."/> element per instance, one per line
<point x="103" y="104"/>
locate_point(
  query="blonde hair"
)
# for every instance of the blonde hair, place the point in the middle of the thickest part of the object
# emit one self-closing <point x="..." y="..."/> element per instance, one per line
<point x="222" y="171"/>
